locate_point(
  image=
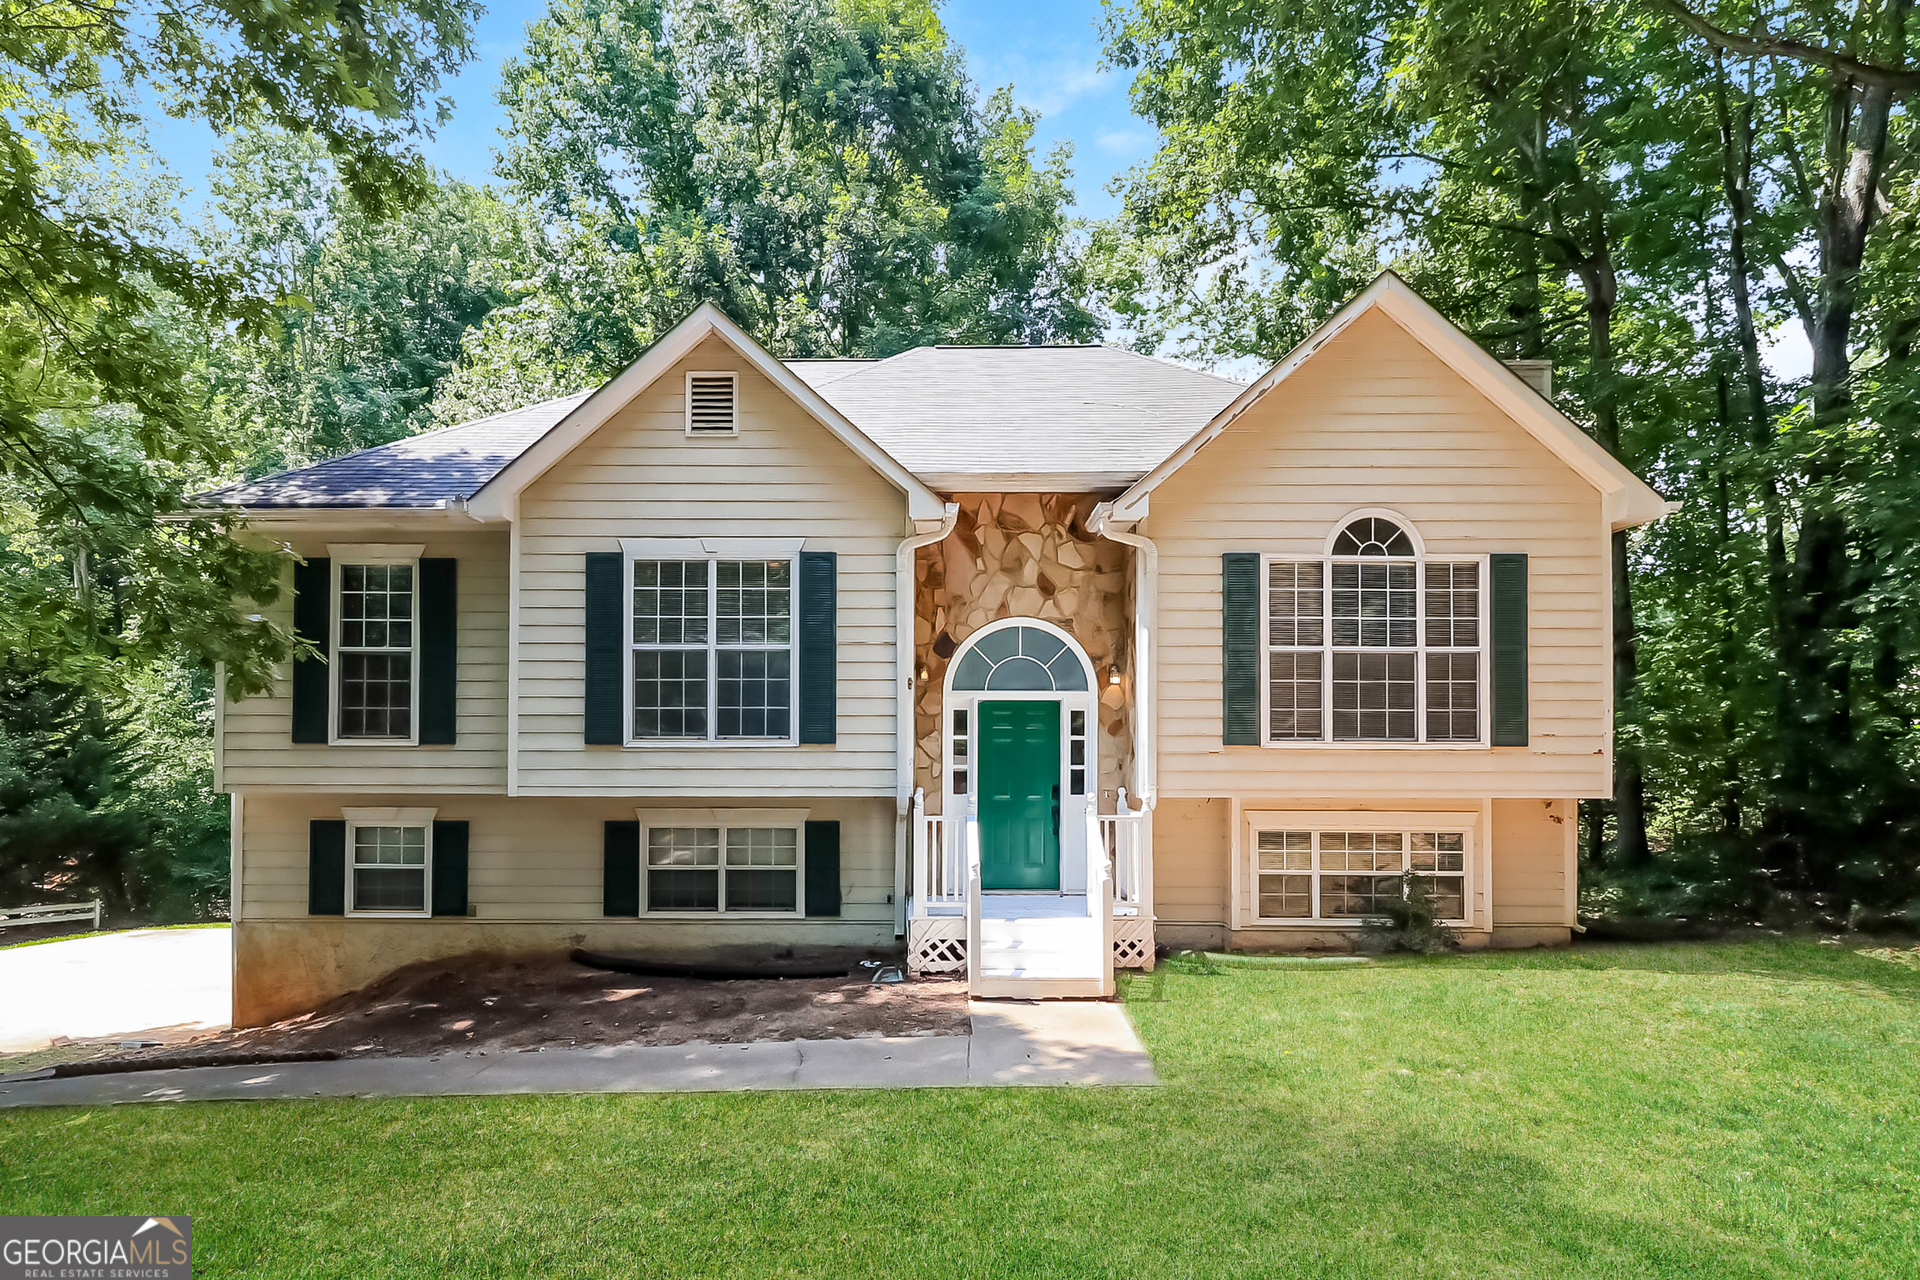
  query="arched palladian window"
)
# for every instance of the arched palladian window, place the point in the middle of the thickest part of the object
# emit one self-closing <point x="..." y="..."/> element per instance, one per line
<point x="1373" y="536"/>
<point x="1020" y="659"/>
<point x="1374" y="642"/>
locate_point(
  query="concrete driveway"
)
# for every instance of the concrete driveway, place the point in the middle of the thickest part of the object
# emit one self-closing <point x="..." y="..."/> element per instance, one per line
<point x="116" y="984"/>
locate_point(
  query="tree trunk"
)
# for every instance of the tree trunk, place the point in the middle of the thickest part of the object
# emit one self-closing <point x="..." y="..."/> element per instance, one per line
<point x="1825" y="585"/>
<point x="1629" y="782"/>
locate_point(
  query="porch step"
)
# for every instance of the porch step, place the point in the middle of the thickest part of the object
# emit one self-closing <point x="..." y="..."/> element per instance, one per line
<point x="1044" y="949"/>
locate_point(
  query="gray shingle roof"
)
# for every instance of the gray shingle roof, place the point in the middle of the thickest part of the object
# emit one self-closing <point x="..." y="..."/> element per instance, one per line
<point x="427" y="470"/>
<point x="1088" y="415"/>
<point x="951" y="412"/>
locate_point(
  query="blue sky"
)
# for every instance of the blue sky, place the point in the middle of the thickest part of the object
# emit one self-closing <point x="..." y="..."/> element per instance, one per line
<point x="1049" y="50"/>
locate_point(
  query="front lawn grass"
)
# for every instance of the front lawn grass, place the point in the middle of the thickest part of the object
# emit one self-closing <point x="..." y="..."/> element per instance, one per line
<point x="1691" y="1110"/>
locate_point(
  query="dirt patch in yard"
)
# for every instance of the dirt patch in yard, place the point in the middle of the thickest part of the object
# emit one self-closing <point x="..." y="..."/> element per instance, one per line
<point x="501" y="1005"/>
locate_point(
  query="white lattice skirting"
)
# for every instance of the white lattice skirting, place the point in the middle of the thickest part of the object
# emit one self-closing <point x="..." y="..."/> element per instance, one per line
<point x="938" y="944"/>
<point x="1133" y="943"/>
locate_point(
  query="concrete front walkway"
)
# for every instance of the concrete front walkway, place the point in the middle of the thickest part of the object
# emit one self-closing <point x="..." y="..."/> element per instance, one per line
<point x="116" y="984"/>
<point x="1055" y="1043"/>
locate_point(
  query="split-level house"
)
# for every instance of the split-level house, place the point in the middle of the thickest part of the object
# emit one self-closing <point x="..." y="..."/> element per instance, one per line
<point x="1021" y="659"/>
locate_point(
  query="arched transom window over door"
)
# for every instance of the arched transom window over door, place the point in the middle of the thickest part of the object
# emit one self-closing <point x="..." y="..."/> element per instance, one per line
<point x="1020" y="660"/>
<point x="1377" y="641"/>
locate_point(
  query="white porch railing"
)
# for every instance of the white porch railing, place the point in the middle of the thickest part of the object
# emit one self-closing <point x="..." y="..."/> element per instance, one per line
<point x="1126" y="838"/>
<point x="939" y="862"/>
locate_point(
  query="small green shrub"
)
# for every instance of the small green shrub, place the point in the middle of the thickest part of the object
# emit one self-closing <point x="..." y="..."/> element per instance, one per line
<point x="1410" y="923"/>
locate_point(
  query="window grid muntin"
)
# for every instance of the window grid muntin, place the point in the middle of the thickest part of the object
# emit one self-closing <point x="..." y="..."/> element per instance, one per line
<point x="375" y="640"/>
<point x="723" y="869"/>
<point x="1295" y="674"/>
<point x="1338" y="862"/>
<point x="737" y="616"/>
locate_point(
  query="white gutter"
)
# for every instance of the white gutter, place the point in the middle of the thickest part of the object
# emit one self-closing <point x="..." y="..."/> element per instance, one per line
<point x="903" y="715"/>
<point x="1146" y="658"/>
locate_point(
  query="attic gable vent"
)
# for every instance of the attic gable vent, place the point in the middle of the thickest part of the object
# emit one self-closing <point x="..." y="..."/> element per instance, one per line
<point x="712" y="404"/>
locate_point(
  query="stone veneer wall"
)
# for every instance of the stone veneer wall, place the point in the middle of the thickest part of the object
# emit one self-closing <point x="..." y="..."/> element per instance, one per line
<point x="1025" y="555"/>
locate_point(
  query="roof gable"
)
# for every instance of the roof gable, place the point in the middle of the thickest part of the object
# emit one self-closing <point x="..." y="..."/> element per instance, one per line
<point x="1626" y="498"/>
<point x="497" y="498"/>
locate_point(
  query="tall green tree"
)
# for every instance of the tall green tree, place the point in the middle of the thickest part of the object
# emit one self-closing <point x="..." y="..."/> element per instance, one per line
<point x="820" y="168"/>
<point x="1501" y="146"/>
<point x="99" y="428"/>
<point x="1640" y="192"/>
<point x="366" y="315"/>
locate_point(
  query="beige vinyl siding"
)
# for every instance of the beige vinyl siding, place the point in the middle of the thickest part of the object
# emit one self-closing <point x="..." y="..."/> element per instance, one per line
<point x="539" y="858"/>
<point x="1374" y="420"/>
<point x="784" y="476"/>
<point x="257" y="733"/>
<point x="1191" y="843"/>
<point x="1530" y="861"/>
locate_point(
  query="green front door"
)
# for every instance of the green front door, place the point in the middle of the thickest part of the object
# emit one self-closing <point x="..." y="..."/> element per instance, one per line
<point x="1019" y="790"/>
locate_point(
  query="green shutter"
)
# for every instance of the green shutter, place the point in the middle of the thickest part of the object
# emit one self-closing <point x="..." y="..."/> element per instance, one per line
<point x="449" y="868"/>
<point x="326" y="867"/>
<point x="1508" y="572"/>
<point x="620" y="878"/>
<point x="313" y="622"/>
<point x="605" y="700"/>
<point x="1240" y="648"/>
<point x="823" y="868"/>
<point x="819" y="646"/>
<point x="439" y="649"/>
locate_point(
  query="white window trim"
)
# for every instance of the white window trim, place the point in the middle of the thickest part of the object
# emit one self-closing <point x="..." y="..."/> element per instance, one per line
<point x="357" y="818"/>
<point x="1422" y="557"/>
<point x="340" y="555"/>
<point x="733" y="376"/>
<point x="712" y="550"/>
<point x="723" y="819"/>
<point x="1254" y="821"/>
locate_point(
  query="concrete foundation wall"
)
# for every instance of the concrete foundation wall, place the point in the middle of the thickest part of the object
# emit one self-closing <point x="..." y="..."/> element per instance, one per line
<point x="282" y="968"/>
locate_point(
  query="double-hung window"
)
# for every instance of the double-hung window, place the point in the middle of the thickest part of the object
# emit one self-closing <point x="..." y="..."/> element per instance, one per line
<point x="712" y="644"/>
<point x="1348" y="867"/>
<point x="389" y="861"/>
<point x="376" y="643"/>
<point x="1373" y="642"/>
<point x="723" y="862"/>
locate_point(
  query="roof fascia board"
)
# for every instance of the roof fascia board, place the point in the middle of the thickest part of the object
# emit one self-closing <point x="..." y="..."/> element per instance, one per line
<point x="1628" y="499"/>
<point x="495" y="499"/>
<point x="317" y="517"/>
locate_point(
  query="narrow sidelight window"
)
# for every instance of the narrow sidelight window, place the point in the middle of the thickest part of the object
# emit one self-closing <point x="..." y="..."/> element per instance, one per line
<point x="961" y="757"/>
<point x="376" y="651"/>
<point x="1077" y="752"/>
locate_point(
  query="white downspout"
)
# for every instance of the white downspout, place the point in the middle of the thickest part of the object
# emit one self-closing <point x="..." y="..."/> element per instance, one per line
<point x="903" y="715"/>
<point x="1146" y="658"/>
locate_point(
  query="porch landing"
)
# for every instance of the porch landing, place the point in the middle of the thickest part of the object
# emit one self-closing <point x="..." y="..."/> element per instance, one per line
<point x="1019" y="906"/>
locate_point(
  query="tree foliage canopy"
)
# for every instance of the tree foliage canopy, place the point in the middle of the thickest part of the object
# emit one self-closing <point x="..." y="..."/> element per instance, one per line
<point x="823" y="171"/>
